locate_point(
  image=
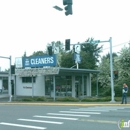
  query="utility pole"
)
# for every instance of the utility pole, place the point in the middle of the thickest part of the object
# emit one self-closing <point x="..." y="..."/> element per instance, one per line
<point x="9" y="78"/>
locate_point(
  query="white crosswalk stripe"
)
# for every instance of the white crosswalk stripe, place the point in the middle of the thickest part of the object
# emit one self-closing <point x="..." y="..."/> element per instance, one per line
<point x="68" y="115"/>
<point x="53" y="117"/>
<point x="79" y="112"/>
<point x="89" y="110"/>
<point x="25" y="126"/>
<point x="51" y="122"/>
<point x="99" y="109"/>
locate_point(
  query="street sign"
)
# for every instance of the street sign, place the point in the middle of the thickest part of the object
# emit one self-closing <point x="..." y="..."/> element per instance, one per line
<point x="18" y="62"/>
<point x="56" y="50"/>
<point x="94" y="42"/>
<point x="77" y="58"/>
<point x="39" y="61"/>
<point x="77" y="48"/>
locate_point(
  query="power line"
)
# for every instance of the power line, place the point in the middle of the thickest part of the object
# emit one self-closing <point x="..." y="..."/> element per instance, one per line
<point x="117" y="45"/>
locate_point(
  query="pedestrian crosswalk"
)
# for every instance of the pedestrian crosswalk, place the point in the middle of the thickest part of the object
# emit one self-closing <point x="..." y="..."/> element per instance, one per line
<point x="60" y="117"/>
<point x="24" y="126"/>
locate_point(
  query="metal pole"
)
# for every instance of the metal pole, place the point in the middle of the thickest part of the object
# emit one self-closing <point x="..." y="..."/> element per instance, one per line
<point x="111" y="68"/>
<point x="32" y="87"/>
<point x="14" y="86"/>
<point x="83" y="86"/>
<point x="54" y="86"/>
<point x="97" y="85"/>
<point x="77" y="65"/>
<point x="10" y="87"/>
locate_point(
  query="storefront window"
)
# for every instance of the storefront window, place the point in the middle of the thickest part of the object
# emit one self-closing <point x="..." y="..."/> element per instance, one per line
<point x="63" y="86"/>
<point x="48" y="85"/>
<point x="28" y="79"/>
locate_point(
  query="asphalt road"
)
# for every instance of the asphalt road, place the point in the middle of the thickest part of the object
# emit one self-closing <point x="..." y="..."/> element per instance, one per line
<point x="25" y="117"/>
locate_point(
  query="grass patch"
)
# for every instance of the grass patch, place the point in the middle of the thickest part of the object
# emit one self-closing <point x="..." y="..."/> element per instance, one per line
<point x="67" y="99"/>
<point x="33" y="99"/>
<point x="100" y="99"/>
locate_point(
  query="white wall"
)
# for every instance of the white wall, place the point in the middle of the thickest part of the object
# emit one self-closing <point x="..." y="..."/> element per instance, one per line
<point x="25" y="89"/>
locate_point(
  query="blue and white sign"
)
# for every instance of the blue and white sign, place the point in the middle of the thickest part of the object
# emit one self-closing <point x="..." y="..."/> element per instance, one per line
<point x="77" y="58"/>
<point x="39" y="61"/>
<point x="77" y="48"/>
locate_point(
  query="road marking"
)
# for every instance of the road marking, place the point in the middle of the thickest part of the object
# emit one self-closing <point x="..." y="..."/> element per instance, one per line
<point x="98" y="109"/>
<point x="68" y="114"/>
<point x="80" y="112"/>
<point x="51" y="122"/>
<point x="122" y="111"/>
<point x="25" y="126"/>
<point x="100" y="121"/>
<point x="89" y="110"/>
<point x="56" y="117"/>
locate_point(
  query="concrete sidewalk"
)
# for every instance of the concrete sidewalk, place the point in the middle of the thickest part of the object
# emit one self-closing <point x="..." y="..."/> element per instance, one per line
<point x="4" y="100"/>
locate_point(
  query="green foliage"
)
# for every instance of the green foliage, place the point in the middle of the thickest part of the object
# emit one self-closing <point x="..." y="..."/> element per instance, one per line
<point x="30" y="99"/>
<point x="89" y="56"/>
<point x="67" y="99"/>
<point x="27" y="99"/>
<point x="100" y="99"/>
<point x="40" y="99"/>
<point x="67" y="59"/>
<point x="123" y="63"/>
<point x="38" y="53"/>
<point x="96" y="99"/>
<point x="104" y="67"/>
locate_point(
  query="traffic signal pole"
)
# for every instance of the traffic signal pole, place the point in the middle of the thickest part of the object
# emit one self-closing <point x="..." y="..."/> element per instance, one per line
<point x="111" y="67"/>
<point x="111" y="63"/>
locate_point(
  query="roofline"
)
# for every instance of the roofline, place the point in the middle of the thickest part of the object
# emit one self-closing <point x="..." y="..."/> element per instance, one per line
<point x="83" y="70"/>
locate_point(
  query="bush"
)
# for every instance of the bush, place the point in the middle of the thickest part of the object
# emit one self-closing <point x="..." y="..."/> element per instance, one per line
<point x="34" y="99"/>
<point x="95" y="99"/>
<point x="118" y="91"/>
<point x="27" y="99"/>
<point x="67" y="99"/>
<point x="40" y="99"/>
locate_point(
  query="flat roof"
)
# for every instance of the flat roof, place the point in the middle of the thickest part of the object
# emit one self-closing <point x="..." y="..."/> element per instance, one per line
<point x="74" y="71"/>
<point x="3" y="74"/>
<point x="54" y="71"/>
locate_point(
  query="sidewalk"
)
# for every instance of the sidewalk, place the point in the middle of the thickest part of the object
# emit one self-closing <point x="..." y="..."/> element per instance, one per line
<point x="4" y="100"/>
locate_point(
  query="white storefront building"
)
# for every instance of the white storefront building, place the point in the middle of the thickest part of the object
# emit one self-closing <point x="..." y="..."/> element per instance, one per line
<point x="39" y="76"/>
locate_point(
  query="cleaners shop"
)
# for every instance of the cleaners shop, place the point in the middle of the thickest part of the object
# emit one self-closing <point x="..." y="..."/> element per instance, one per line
<point x="39" y="76"/>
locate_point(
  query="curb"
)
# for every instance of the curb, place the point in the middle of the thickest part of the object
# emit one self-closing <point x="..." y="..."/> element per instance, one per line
<point x="63" y="104"/>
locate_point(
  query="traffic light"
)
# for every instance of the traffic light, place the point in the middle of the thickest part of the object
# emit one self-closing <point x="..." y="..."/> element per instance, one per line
<point x="12" y="69"/>
<point x="68" y="7"/>
<point x="67" y="44"/>
<point x="115" y="74"/>
<point x="49" y="50"/>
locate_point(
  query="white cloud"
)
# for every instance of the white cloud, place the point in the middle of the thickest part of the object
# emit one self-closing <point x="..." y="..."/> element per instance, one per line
<point x="28" y="25"/>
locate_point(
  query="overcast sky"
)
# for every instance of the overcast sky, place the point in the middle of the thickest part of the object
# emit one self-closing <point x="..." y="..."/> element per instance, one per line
<point x="28" y="25"/>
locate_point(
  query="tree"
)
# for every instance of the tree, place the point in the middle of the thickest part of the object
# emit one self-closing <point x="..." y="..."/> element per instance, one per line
<point x="123" y="63"/>
<point x="104" y="67"/>
<point x="67" y="59"/>
<point x="89" y="56"/>
<point x="38" y="53"/>
<point x="60" y="45"/>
